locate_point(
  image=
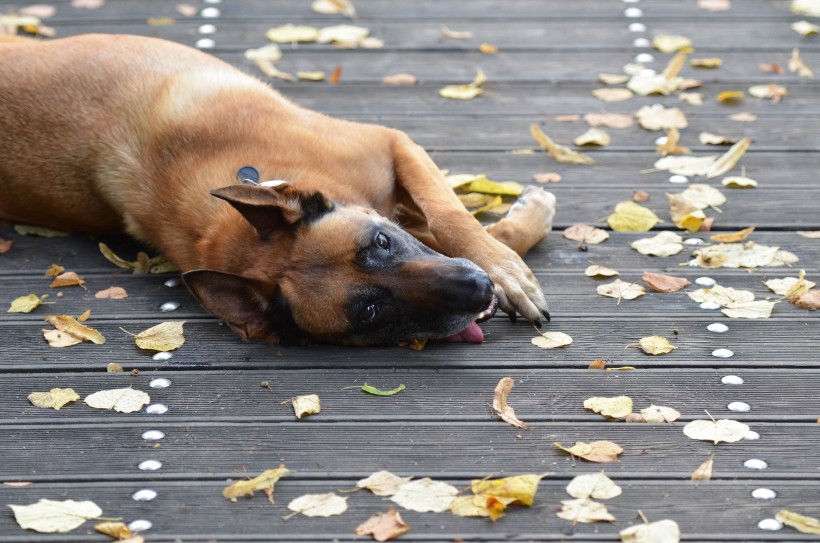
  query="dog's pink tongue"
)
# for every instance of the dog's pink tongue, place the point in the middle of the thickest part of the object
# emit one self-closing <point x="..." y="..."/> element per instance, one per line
<point x="471" y="334"/>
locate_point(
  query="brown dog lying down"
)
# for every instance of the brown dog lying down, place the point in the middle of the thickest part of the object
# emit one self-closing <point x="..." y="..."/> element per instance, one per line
<point x="108" y="134"/>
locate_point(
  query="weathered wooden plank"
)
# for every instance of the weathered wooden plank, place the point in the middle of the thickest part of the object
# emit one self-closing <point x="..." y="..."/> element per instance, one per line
<point x="459" y="395"/>
<point x="208" y="516"/>
<point x="72" y="452"/>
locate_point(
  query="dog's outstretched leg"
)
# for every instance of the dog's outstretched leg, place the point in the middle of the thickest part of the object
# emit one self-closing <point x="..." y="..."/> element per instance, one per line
<point x="528" y="221"/>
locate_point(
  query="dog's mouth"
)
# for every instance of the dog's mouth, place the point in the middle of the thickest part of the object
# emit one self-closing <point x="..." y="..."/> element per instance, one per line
<point x="473" y="333"/>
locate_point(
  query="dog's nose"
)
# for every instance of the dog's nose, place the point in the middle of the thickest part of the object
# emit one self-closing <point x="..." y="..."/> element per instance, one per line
<point x="471" y="292"/>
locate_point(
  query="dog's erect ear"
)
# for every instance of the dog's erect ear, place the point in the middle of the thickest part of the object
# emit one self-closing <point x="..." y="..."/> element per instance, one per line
<point x="250" y="306"/>
<point x="269" y="208"/>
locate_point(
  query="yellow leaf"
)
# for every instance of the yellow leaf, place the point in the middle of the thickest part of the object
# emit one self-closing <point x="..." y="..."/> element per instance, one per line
<point x="26" y="304"/>
<point x="731" y="237"/>
<point x="84" y="316"/>
<point x="486" y="186"/>
<point x="290" y="33"/>
<point x="56" y="338"/>
<point x="612" y="95"/>
<point x="558" y="152"/>
<point x="772" y="91"/>
<point x="264" y="482"/>
<point x="518" y="489"/>
<point x="333" y="7"/>
<point x="709" y="63"/>
<point x="632" y="217"/>
<point x="668" y="43"/>
<point x="656" y="345"/>
<point x="801" y="523"/>
<point x="69" y="325"/>
<point x="54" y="270"/>
<point x="691" y="98"/>
<point x="311" y="76"/>
<point x="613" y="79"/>
<point x="651" y="118"/>
<point x="730" y="97"/>
<point x="616" y="407"/>
<point x="455" y="35"/>
<point x="670" y="145"/>
<point x="54" y="398"/>
<point x="708" y="138"/>
<point x="593" y="136"/>
<point x="686" y="165"/>
<point x="308" y="404"/>
<point x="551" y="340"/>
<point x="465" y="506"/>
<point x="738" y="182"/>
<point x="165" y="336"/>
<point x="805" y="28"/>
<point x="461" y="92"/>
<point x="704" y="471"/>
<point x="500" y="397"/>
<point x="343" y="35"/>
<point x="117" y="530"/>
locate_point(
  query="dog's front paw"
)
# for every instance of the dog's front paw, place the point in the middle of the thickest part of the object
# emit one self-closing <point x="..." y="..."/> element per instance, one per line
<point x="517" y="289"/>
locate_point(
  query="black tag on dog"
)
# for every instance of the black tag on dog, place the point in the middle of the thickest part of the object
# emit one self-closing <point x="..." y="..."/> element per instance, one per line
<point x="248" y="174"/>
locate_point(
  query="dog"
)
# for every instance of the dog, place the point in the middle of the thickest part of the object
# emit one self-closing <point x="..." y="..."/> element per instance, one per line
<point x="290" y="225"/>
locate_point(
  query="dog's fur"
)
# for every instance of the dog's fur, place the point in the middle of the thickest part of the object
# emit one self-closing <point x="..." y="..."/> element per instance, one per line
<point x="109" y="134"/>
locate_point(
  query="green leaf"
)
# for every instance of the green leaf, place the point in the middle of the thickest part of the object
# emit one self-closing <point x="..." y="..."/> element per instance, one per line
<point x="376" y="392"/>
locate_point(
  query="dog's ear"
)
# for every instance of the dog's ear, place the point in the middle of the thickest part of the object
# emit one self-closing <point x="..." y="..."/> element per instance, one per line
<point x="271" y="207"/>
<point x="253" y="308"/>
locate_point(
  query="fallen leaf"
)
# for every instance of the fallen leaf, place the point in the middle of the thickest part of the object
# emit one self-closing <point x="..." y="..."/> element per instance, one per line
<point x="801" y="523"/>
<point x="117" y="530"/>
<point x="488" y="48"/>
<point x="651" y="118"/>
<point x="291" y="33"/>
<point x="613" y="79"/>
<point x="558" y="152"/>
<point x="621" y="290"/>
<point x="500" y="397"/>
<point x="723" y="430"/>
<point x="809" y="300"/>
<point x="465" y="506"/>
<point x="465" y="92"/>
<point x="613" y="95"/>
<point x="738" y="182"/>
<point x="186" y="10"/>
<point x="640" y="196"/>
<point x="585" y="511"/>
<point x="265" y="59"/>
<point x="113" y="293"/>
<point x="486" y="186"/>
<point x="58" y="339"/>
<point x="655" y="345"/>
<point x="26" y="304"/>
<point x="87" y="4"/>
<point x="810" y="234"/>
<point x="713" y="5"/>
<point x="551" y="340"/>
<point x="264" y="482"/>
<point x="41" y="231"/>
<point x="319" y="505"/>
<point x="773" y="91"/>
<point x="5" y="245"/>
<point x="84" y="316"/>
<point x="668" y="43"/>
<point x="547" y="177"/>
<point x="616" y="407"/>
<point x="376" y="392"/>
<point x="165" y="336"/>
<point x="743" y="117"/>
<point x="383" y="526"/>
<point x="686" y="165"/>
<point x="708" y="63"/>
<point x="122" y="400"/>
<point x="806" y="7"/>
<point x="41" y="11"/>
<point x="517" y="489"/>
<point x="797" y="65"/>
<point x="593" y="136"/>
<point x="722" y="296"/>
<point x="336" y="75"/>
<point x="308" y="404"/>
<point x="691" y="98"/>
<point x="670" y="144"/>
<point x="114" y="367"/>
<point x="759" y="309"/>
<point x="571" y="118"/>
<point x="456" y="35"/>
<point x="585" y="233"/>
<point x="805" y="28"/>
<point x="593" y="485"/>
<point x="631" y="217"/>
<point x="67" y="279"/>
<point x="665" y="243"/>
<point x="54" y="398"/>
<point x="704" y="471"/>
<point x="160" y="21"/>
<point x="311" y="76"/>
<point x="383" y="483"/>
<point x="730" y="97"/>
<point x="664" y="283"/>
<point x="69" y="325"/>
<point x="425" y="496"/>
<point x="741" y="255"/>
<point x="596" y="451"/>
<point x="791" y="286"/>
<point x="399" y="79"/>
<point x="596" y="270"/>
<point x="334" y="7"/>
<point x="48" y="517"/>
<point x="610" y="120"/>
<point x="659" y="414"/>
<point x="707" y="138"/>
<point x="663" y="531"/>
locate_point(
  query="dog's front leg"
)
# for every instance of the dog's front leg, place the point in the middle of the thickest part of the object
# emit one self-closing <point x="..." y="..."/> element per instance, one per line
<point x="459" y="234"/>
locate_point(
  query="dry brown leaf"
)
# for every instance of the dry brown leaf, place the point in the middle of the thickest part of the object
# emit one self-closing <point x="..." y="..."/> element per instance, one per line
<point x="610" y="120"/>
<point x="113" y="293"/>
<point x="571" y="118"/>
<point x="613" y="94"/>
<point x="399" y="79"/>
<point x="488" y="48"/>
<point x="54" y="270"/>
<point x="117" y="530"/>
<point x="308" y="404"/>
<point x="547" y="177"/>
<point x="596" y="451"/>
<point x="383" y="483"/>
<point x="114" y="367"/>
<point x="593" y="136"/>
<point x="54" y="398"/>
<point x="731" y="237"/>
<point x="165" y="336"/>
<point x="727" y="161"/>
<point x="500" y="397"/>
<point x="797" y="65"/>
<point x="652" y="118"/>
<point x="640" y="196"/>
<point x="809" y="300"/>
<point x="264" y="482"/>
<point x="84" y="316"/>
<point x="664" y="283"/>
<point x="585" y="233"/>
<point x="67" y="279"/>
<point x="704" y="471"/>
<point x="558" y="152"/>
<point x="383" y="526"/>
<point x="585" y="511"/>
<point x="616" y="407"/>
<point x="597" y="364"/>
<point x="69" y="325"/>
<point x="742" y="255"/>
<point x="621" y="290"/>
<point x="5" y="245"/>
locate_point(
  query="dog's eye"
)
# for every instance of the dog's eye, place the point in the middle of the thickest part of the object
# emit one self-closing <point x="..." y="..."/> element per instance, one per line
<point x="369" y="313"/>
<point x="383" y="241"/>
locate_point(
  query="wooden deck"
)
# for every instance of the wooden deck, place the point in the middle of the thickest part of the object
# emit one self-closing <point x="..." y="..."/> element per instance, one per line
<point x="223" y="425"/>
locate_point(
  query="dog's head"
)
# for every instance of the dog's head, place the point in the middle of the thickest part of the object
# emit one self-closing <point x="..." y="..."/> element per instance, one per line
<point x="337" y="274"/>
